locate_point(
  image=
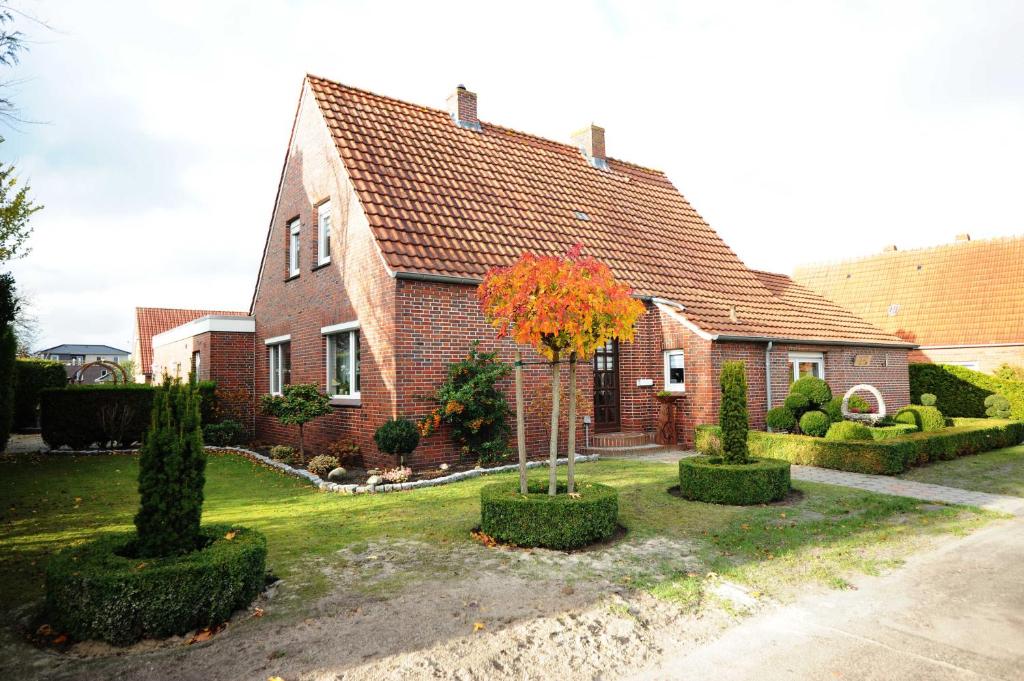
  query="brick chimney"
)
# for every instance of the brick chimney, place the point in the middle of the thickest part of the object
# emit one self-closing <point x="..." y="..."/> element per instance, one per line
<point x="891" y="248"/>
<point x="462" y="107"/>
<point x="590" y="142"/>
<point x="963" y="237"/>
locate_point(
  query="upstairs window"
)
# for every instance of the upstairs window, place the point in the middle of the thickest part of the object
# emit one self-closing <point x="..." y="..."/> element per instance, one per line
<point x="806" y="364"/>
<point x="342" y="359"/>
<point x="323" y="234"/>
<point x="675" y="371"/>
<point x="279" y="353"/>
<point x="294" y="247"/>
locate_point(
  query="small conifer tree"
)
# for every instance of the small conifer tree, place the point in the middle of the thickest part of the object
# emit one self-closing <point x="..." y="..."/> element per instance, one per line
<point x="732" y="416"/>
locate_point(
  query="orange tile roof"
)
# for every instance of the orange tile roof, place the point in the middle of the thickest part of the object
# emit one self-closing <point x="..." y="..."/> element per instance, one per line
<point x="963" y="293"/>
<point x="150" y="321"/>
<point x="444" y="200"/>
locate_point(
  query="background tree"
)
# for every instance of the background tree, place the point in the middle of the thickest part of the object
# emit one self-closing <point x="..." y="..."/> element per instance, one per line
<point x="732" y="415"/>
<point x="16" y="207"/>
<point x="298" y="404"/>
<point x="172" y="473"/>
<point x="564" y="307"/>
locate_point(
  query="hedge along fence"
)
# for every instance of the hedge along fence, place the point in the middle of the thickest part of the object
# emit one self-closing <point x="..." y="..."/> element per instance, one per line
<point x="879" y="457"/>
<point x="31" y="377"/>
<point x="960" y="391"/>
<point x="82" y="415"/>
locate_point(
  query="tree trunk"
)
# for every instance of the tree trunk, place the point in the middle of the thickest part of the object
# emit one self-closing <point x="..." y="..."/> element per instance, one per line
<point x="571" y="463"/>
<point x="556" y="385"/>
<point x="520" y="422"/>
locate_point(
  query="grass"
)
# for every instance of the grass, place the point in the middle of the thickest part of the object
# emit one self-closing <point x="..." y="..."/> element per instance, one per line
<point x="998" y="472"/>
<point x="50" y="502"/>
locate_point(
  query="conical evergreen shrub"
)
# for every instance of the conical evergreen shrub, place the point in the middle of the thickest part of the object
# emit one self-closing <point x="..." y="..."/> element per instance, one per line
<point x="732" y="415"/>
<point x="172" y="466"/>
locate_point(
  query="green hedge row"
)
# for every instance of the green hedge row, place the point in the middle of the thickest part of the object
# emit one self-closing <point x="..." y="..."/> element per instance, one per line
<point x="34" y="375"/>
<point x="712" y="480"/>
<point x="889" y="432"/>
<point x="8" y="347"/>
<point x="880" y="457"/>
<point x="558" y="522"/>
<point x="81" y="416"/>
<point x="960" y="391"/>
<point x="98" y="591"/>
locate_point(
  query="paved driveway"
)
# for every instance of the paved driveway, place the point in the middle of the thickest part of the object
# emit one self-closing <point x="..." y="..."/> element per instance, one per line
<point x="953" y="613"/>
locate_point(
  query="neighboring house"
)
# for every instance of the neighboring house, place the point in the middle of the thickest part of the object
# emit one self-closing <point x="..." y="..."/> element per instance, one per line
<point x="388" y="215"/>
<point x="77" y="356"/>
<point x="961" y="303"/>
<point x="153" y="321"/>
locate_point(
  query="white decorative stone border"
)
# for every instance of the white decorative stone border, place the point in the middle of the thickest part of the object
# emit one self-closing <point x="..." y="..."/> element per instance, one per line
<point x="392" y="487"/>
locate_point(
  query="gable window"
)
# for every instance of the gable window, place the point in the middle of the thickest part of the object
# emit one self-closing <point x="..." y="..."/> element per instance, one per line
<point x="323" y="234"/>
<point x="806" y="364"/>
<point x="675" y="371"/>
<point x="279" y="359"/>
<point x="294" y="247"/>
<point x="342" y="360"/>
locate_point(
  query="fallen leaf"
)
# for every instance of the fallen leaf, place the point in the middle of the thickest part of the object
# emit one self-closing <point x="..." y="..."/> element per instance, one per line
<point x="257" y="612"/>
<point x="140" y="566"/>
<point x="275" y="678"/>
<point x="574" y="495"/>
<point x="477" y="626"/>
<point x="231" y="535"/>
<point x="60" y="639"/>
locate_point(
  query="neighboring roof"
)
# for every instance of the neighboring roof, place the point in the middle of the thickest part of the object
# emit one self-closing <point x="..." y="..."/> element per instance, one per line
<point x="150" y="321"/>
<point x="81" y="349"/>
<point x="444" y="201"/>
<point x="963" y="293"/>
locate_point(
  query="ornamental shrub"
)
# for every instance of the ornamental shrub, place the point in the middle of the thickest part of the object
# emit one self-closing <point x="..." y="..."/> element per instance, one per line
<point x="322" y="465"/>
<point x="926" y="419"/>
<point x="858" y="405"/>
<point x="283" y="453"/>
<point x="470" y="402"/>
<point x="397" y="437"/>
<point x="33" y="375"/>
<point x="8" y="348"/>
<point x="962" y="391"/>
<point x="711" y="480"/>
<point x="780" y="420"/>
<point x="997" y="407"/>
<point x="297" y="405"/>
<point x="554" y="522"/>
<point x="814" y="423"/>
<point x="815" y="389"/>
<point x="797" y="404"/>
<point x="172" y="466"/>
<point x="893" y="431"/>
<point x="834" y="409"/>
<point x="1009" y="372"/>
<point x="224" y="434"/>
<point x="103" y="414"/>
<point x="732" y="415"/>
<point x="347" y="452"/>
<point x="848" y="430"/>
<point x="927" y="399"/>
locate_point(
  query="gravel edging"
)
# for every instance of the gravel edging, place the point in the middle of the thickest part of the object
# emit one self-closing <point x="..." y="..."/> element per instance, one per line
<point x="390" y="487"/>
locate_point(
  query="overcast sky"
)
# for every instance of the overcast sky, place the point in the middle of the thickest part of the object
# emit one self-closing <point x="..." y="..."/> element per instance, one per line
<point x="802" y="131"/>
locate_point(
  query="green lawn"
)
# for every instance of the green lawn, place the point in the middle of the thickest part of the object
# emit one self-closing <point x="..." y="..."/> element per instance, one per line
<point x="998" y="472"/>
<point x="50" y="502"/>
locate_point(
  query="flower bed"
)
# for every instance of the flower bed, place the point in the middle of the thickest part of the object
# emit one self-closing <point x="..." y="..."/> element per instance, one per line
<point x="554" y="522"/>
<point x="710" y="479"/>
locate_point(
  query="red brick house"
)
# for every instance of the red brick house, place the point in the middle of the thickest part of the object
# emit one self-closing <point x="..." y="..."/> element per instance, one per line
<point x="388" y="214"/>
<point x="151" y="322"/>
<point x="961" y="303"/>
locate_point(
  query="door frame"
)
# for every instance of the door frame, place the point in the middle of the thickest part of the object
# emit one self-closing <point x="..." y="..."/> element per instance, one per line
<point x="607" y="426"/>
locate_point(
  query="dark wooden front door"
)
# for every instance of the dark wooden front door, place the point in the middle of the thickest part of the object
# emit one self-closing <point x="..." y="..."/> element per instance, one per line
<point x="606" y="388"/>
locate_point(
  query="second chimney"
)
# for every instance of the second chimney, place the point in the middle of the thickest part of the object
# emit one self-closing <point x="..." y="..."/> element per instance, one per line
<point x="590" y="142"/>
<point x="963" y="237"/>
<point x="462" y="107"/>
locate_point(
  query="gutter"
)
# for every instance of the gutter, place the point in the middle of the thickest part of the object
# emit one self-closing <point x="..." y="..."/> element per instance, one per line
<point x="815" y="341"/>
<point x="768" y="373"/>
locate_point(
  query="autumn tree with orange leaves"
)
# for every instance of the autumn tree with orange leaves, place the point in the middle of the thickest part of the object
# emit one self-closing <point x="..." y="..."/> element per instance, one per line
<point x="565" y="307"/>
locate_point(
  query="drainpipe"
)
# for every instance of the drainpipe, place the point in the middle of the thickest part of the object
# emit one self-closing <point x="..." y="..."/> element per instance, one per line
<point x="768" y="372"/>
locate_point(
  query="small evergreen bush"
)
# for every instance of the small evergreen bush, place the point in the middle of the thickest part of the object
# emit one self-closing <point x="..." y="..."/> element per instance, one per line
<point x="997" y="407"/>
<point x="554" y="522"/>
<point x="732" y="415"/>
<point x="815" y="389"/>
<point x="780" y="420"/>
<point x="224" y="434"/>
<point x="926" y="419"/>
<point x="283" y="453"/>
<point x="848" y="430"/>
<point x="928" y="400"/>
<point x="397" y="437"/>
<point x="814" y="423"/>
<point x="797" y="404"/>
<point x="711" y="480"/>
<point x="322" y="465"/>
<point x="834" y="409"/>
<point x="297" y="405"/>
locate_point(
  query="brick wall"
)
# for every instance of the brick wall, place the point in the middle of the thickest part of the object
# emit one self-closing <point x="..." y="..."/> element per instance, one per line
<point x="988" y="358"/>
<point x="228" y="359"/>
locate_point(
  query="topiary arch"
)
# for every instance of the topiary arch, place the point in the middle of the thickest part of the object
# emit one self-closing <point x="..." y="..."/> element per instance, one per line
<point x="870" y="418"/>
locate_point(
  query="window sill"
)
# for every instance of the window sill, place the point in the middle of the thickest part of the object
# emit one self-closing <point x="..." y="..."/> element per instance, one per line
<point x="319" y="266"/>
<point x="346" y="402"/>
<point x="290" y="277"/>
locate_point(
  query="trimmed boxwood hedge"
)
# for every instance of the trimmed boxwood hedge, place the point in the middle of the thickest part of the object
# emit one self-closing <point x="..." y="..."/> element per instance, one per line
<point x="710" y="479"/>
<point x="558" y="522"/>
<point x="82" y="415"/>
<point x="883" y="457"/>
<point x="925" y="419"/>
<point x="92" y="592"/>
<point x="33" y="375"/>
<point x="889" y="432"/>
<point x="848" y="430"/>
<point x="960" y="391"/>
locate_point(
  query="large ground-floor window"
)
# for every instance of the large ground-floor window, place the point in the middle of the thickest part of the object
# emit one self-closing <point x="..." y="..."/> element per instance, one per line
<point x="342" y="359"/>
<point x="806" y="364"/>
<point x="279" y="357"/>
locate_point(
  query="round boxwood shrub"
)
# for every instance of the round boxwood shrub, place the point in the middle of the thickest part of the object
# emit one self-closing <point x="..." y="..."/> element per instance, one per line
<point x="100" y="590"/>
<point x="796" y="403"/>
<point x="928" y="399"/>
<point x="397" y="437"/>
<point x="834" y="409"/>
<point x="708" y="478"/>
<point x="848" y="430"/>
<point x="780" y="420"/>
<point x="814" y="423"/>
<point x="554" y="522"/>
<point x="815" y="389"/>
<point x="925" y="418"/>
<point x="996" y="407"/>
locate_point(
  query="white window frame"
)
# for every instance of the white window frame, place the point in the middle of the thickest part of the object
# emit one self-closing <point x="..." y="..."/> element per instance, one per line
<point x="666" y="359"/>
<point x="323" y="233"/>
<point x="328" y="332"/>
<point x="815" y="357"/>
<point x="294" y="247"/>
<point x="274" y="355"/>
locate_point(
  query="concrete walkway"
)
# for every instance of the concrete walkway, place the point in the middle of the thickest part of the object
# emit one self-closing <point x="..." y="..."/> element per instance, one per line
<point x="952" y="613"/>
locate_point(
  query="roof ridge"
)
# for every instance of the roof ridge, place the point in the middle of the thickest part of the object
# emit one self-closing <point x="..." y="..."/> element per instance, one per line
<point x="923" y="249"/>
<point x="497" y="126"/>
